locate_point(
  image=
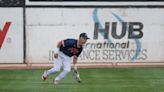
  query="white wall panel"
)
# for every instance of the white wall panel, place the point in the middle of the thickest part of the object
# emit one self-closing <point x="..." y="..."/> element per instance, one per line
<point x="12" y="46"/>
<point x="46" y="26"/>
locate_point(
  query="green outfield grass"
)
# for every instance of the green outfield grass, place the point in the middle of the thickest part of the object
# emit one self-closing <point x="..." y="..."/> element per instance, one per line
<point x="93" y="80"/>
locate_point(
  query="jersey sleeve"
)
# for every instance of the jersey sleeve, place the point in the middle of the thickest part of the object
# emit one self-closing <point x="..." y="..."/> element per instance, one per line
<point x="68" y="43"/>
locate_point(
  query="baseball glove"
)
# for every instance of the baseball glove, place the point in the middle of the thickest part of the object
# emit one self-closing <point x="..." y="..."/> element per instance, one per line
<point x="76" y="75"/>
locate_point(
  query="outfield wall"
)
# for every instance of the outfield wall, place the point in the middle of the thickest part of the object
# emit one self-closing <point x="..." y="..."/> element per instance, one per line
<point x="138" y="36"/>
<point x="119" y="32"/>
<point x="11" y="35"/>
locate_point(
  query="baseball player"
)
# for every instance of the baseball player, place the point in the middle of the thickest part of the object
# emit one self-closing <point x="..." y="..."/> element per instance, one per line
<point x="65" y="50"/>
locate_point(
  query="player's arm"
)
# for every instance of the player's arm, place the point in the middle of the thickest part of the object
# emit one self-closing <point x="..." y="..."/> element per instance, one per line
<point x="75" y="59"/>
<point x="75" y="70"/>
<point x="60" y="44"/>
<point x="75" y="62"/>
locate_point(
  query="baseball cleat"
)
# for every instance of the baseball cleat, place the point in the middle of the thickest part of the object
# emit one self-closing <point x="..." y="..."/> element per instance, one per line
<point x="44" y="76"/>
<point x="56" y="82"/>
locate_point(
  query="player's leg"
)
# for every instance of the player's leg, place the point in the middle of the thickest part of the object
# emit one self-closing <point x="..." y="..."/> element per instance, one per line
<point x="66" y="69"/>
<point x="54" y="69"/>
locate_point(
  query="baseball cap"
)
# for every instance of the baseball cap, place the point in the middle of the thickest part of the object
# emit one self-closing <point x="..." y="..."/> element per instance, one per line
<point x="84" y="35"/>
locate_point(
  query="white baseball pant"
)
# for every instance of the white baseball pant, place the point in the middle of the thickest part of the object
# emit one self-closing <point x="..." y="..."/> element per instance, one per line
<point x="61" y="60"/>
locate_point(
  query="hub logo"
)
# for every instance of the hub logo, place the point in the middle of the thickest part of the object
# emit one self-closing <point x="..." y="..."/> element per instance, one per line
<point x="121" y="40"/>
<point x="127" y="27"/>
<point x="3" y="33"/>
<point x="132" y="27"/>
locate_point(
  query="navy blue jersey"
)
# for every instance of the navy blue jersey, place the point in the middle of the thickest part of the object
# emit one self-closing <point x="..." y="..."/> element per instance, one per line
<point x="69" y="47"/>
